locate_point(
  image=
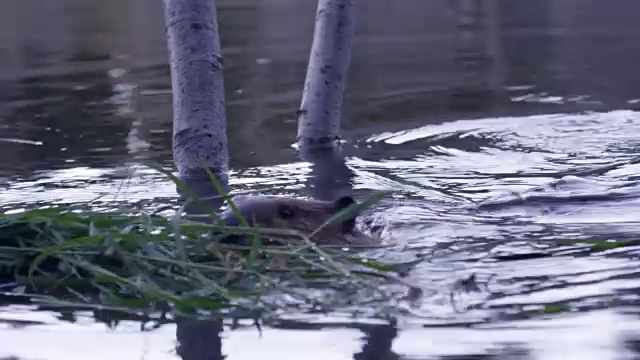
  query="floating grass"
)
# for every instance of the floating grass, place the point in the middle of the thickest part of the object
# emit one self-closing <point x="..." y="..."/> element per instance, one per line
<point x="151" y="264"/>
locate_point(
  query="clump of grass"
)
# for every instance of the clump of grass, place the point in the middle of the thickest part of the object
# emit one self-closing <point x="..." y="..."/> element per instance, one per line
<point x="140" y="262"/>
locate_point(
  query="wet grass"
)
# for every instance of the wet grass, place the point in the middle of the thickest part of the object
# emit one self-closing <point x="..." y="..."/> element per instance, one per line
<point x="145" y="263"/>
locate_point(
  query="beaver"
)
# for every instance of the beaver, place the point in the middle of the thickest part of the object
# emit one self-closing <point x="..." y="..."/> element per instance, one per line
<point x="303" y="215"/>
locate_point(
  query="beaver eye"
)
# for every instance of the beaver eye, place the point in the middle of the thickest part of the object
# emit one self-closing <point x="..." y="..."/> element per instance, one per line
<point x="285" y="212"/>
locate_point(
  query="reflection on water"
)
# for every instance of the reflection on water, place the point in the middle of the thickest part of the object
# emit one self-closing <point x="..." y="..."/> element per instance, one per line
<point x="598" y="335"/>
<point x="504" y="127"/>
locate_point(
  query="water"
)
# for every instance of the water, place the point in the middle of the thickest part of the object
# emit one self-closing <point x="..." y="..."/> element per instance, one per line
<point x="505" y="127"/>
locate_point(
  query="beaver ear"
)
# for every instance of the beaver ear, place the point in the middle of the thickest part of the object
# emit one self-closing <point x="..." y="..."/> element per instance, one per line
<point x="344" y="202"/>
<point x="341" y="204"/>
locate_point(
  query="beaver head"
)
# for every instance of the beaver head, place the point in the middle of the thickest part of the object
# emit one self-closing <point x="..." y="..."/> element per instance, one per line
<point x="304" y="215"/>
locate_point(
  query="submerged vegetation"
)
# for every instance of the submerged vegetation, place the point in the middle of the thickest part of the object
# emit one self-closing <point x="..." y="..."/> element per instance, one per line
<point x="146" y="263"/>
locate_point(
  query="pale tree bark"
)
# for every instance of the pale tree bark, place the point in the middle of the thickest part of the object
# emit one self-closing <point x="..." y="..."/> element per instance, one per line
<point x="321" y="105"/>
<point x="199" y="133"/>
<point x="319" y="113"/>
<point x="199" y="114"/>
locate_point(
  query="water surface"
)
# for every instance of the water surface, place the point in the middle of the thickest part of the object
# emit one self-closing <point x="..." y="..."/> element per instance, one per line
<point x="503" y="127"/>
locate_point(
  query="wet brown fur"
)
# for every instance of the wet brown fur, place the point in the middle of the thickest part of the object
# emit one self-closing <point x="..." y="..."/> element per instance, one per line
<point x="303" y="215"/>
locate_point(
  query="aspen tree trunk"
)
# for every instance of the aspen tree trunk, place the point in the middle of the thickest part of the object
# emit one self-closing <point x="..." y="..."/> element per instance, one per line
<point x="199" y="133"/>
<point x="321" y="105"/>
<point x="319" y="113"/>
<point x="199" y="114"/>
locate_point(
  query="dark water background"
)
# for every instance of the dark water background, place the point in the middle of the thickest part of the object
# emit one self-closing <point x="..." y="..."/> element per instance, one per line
<point x="529" y="108"/>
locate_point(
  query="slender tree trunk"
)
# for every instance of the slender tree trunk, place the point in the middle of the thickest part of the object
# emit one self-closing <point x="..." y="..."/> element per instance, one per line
<point x="199" y="115"/>
<point x="378" y="342"/>
<point x="330" y="176"/>
<point x="199" y="132"/>
<point x="319" y="113"/>
<point x="199" y="339"/>
<point x="321" y="105"/>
